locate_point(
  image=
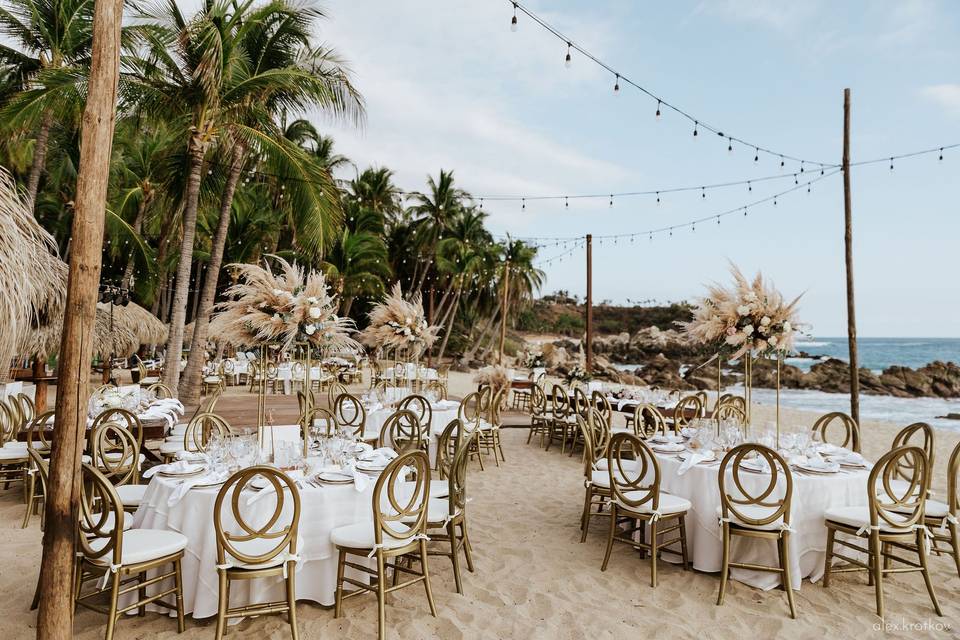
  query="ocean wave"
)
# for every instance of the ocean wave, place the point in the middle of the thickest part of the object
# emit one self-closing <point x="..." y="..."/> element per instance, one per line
<point x="812" y="344"/>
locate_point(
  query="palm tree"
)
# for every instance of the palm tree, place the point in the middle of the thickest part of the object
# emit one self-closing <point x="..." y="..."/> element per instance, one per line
<point x="434" y="212"/>
<point x="50" y="53"/>
<point x="273" y="67"/>
<point x="374" y="190"/>
<point x="358" y="263"/>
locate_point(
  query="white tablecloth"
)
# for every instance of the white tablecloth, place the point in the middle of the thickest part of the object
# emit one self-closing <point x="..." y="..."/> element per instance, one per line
<point x="812" y="496"/>
<point x="322" y="510"/>
<point x="443" y="412"/>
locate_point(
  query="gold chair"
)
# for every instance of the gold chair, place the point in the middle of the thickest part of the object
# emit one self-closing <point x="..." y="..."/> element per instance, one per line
<point x="730" y="411"/>
<point x="247" y="551"/>
<point x="851" y="432"/>
<point x="437" y="388"/>
<point x="118" y="558"/>
<point x="488" y="435"/>
<point x="448" y="443"/>
<point x="350" y="414"/>
<point x="334" y="391"/>
<point x="38" y="467"/>
<point x="596" y="480"/>
<point x="398" y="530"/>
<point x="214" y="380"/>
<point x="943" y="518"/>
<point x="892" y="519"/>
<point x="599" y="402"/>
<point x="445" y="516"/>
<point x="762" y="514"/>
<point x="322" y="419"/>
<point x="470" y="414"/>
<point x="228" y="372"/>
<point x="13" y="456"/>
<point x="420" y="407"/>
<point x="903" y="471"/>
<point x="255" y="375"/>
<point x="562" y="417"/>
<point x="402" y="431"/>
<point x="160" y="391"/>
<point x="115" y="452"/>
<point x="636" y="499"/>
<point x="648" y="421"/>
<point x="687" y="409"/>
<point x="40" y="432"/>
<point x="145" y="378"/>
<point x="522" y="396"/>
<point x="539" y="416"/>
<point x="27" y="409"/>
<point x="198" y="432"/>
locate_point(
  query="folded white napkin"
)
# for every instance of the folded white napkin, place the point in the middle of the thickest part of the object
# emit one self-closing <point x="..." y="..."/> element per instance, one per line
<point x="443" y="405"/>
<point x="757" y="464"/>
<point x="853" y="458"/>
<point x="181" y="466"/>
<point x="694" y="458"/>
<point x="188" y="483"/>
<point x="378" y="457"/>
<point x="267" y="487"/>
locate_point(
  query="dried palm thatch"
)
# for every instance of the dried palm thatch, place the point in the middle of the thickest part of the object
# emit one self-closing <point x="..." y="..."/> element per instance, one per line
<point x="133" y="326"/>
<point x="33" y="282"/>
<point x="145" y="326"/>
<point x="281" y="308"/>
<point x="396" y="323"/>
<point x="750" y="317"/>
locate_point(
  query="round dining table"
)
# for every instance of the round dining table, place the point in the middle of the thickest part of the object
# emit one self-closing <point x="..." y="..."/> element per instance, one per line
<point x="813" y="494"/>
<point x="323" y="508"/>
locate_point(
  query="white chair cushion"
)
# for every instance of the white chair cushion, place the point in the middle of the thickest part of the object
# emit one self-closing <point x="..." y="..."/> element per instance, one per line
<point x="755" y="512"/>
<point x="131" y="494"/>
<point x="15" y="445"/>
<point x="438" y="511"/>
<point x="114" y="457"/>
<point x="172" y="447"/>
<point x="936" y="509"/>
<point x="178" y="429"/>
<point x="212" y="379"/>
<point x="669" y="504"/>
<point x="149" y="380"/>
<point x="629" y="465"/>
<point x="259" y="546"/>
<point x="111" y="520"/>
<point x="858" y="517"/>
<point x="360" y="536"/>
<point x="143" y="545"/>
<point x="10" y="456"/>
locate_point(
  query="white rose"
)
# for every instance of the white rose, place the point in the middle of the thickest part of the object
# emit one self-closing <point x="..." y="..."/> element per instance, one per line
<point x="278" y="292"/>
<point x="787" y="327"/>
<point x="743" y="310"/>
<point x="748" y="330"/>
<point x="276" y="316"/>
<point x="765" y="321"/>
<point x="408" y="320"/>
<point x="309" y="329"/>
<point x="406" y="332"/>
<point x="315" y="312"/>
<point x="312" y="300"/>
<point x="772" y="341"/>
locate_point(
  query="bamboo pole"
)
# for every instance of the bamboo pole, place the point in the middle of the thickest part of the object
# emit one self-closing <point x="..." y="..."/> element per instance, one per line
<point x="504" y="306"/>
<point x="589" y="337"/>
<point x="848" y="256"/>
<point x="55" y="619"/>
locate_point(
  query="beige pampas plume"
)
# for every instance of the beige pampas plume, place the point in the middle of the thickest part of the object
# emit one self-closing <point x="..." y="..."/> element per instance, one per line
<point x="396" y="323"/>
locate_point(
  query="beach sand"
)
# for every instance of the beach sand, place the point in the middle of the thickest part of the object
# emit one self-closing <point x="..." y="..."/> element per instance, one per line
<point x="534" y="579"/>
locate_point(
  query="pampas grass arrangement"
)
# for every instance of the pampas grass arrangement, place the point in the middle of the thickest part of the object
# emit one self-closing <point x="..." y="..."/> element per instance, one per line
<point x="748" y="317"/>
<point x="282" y="308"/>
<point x="396" y="323"/>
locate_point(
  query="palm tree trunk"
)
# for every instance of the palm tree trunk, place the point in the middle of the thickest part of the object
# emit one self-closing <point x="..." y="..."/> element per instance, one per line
<point x="171" y="372"/>
<point x="472" y="352"/>
<point x="137" y="225"/>
<point x="426" y="268"/>
<point x="190" y="385"/>
<point x="198" y="269"/>
<point x="55" y="619"/>
<point x="347" y="304"/>
<point x="39" y="159"/>
<point x="450" y="318"/>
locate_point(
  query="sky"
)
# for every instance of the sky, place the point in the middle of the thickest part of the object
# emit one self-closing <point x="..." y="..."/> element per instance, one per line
<point x="448" y="85"/>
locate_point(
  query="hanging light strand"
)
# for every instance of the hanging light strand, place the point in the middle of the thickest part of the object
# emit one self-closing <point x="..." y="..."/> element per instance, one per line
<point x="662" y="103"/>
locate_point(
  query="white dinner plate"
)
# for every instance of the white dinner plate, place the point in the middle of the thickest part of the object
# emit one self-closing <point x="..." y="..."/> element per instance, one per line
<point x="334" y="477"/>
<point x="187" y="473"/>
<point x="668" y="448"/>
<point x="824" y="471"/>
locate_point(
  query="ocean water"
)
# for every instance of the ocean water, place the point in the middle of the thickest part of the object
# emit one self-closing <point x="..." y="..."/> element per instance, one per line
<point x="877" y="354"/>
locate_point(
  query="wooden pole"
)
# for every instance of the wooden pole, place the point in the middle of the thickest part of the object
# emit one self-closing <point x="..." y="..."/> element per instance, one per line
<point x="589" y="340"/>
<point x="503" y="310"/>
<point x="430" y="321"/>
<point x="848" y="254"/>
<point x="55" y="619"/>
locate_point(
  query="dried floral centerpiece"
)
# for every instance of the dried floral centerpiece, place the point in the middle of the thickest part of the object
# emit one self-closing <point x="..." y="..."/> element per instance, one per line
<point x="497" y="377"/>
<point x="398" y="324"/>
<point x="749" y="320"/>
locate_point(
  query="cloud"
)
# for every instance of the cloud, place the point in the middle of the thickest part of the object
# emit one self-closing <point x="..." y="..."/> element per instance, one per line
<point x="946" y="96"/>
<point x="776" y="15"/>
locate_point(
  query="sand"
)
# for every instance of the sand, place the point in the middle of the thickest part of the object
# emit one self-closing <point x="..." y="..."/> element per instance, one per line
<point x="534" y="579"/>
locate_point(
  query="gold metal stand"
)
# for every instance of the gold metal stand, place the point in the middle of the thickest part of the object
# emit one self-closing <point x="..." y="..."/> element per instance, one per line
<point x="779" y="364"/>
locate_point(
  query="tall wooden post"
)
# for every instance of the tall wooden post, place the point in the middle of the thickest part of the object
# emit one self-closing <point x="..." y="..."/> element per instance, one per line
<point x="848" y="253"/>
<point x="589" y="340"/>
<point x="504" y="308"/>
<point x="55" y="620"/>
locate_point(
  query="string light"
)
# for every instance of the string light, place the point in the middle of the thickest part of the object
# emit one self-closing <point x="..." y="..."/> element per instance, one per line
<point x="616" y="86"/>
<point x="513" y="23"/>
<point x="658" y="111"/>
<point x="568" y="62"/>
<point x="729" y="145"/>
<point x="695" y="125"/>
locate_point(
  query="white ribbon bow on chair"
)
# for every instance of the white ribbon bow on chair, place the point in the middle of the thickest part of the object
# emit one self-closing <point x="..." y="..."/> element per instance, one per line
<point x="373" y="551"/>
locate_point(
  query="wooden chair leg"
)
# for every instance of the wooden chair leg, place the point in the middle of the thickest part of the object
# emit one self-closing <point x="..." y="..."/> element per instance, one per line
<point x="467" y="547"/>
<point x="784" y="544"/>
<point x="585" y="516"/>
<point x="876" y="565"/>
<point x="613" y="529"/>
<point x="222" y="604"/>
<point x="653" y="553"/>
<point x="292" y="600"/>
<point x="725" y="564"/>
<point x="178" y="584"/>
<point x="922" y="552"/>
<point x="338" y="601"/>
<point x="455" y="554"/>
<point x="828" y="558"/>
<point x="955" y="545"/>
<point x="426" y="578"/>
<point x="381" y="596"/>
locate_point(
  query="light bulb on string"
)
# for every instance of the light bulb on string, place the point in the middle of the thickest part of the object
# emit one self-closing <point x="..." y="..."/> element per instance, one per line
<point x="801" y="166"/>
<point x="566" y="202"/>
<point x="658" y="111"/>
<point x="774" y="201"/>
<point x="729" y="145"/>
<point x="756" y="154"/>
<point x="718" y="220"/>
<point x="744" y="212"/>
<point x="941" y="153"/>
<point x="695" y="125"/>
<point x="611" y="199"/>
<point x="569" y="60"/>
<point x="891" y="164"/>
<point x="513" y="22"/>
<point x="781" y="162"/>
<point x="658" y="197"/>
<point x="481" y="204"/>
<point x="795" y="180"/>
<point x="523" y="207"/>
<point x="703" y="192"/>
<point x="616" y="86"/>
<point x="749" y="186"/>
